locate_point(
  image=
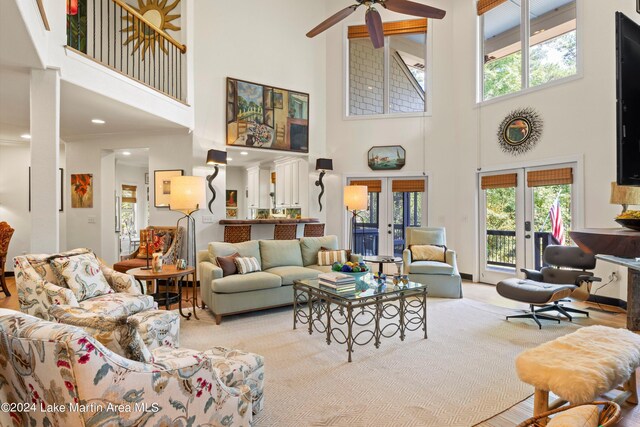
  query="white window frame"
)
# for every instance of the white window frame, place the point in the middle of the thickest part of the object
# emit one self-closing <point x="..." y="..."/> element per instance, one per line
<point x="525" y="26"/>
<point x="428" y="89"/>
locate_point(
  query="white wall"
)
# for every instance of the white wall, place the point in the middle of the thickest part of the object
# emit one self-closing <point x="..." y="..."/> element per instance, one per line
<point x="14" y="198"/>
<point x="458" y="138"/>
<point x="262" y="42"/>
<point x="166" y="151"/>
<point x="237" y="180"/>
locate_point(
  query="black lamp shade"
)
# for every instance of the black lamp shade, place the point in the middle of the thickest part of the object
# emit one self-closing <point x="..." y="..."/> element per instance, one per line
<point x="216" y="157"/>
<point x="324" y="164"/>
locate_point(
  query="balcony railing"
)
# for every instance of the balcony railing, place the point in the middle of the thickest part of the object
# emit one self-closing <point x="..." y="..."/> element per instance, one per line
<point x="501" y="248"/>
<point x="114" y="34"/>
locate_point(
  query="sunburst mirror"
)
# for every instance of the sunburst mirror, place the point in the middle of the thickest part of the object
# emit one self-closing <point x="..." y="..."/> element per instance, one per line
<point x="156" y="12"/>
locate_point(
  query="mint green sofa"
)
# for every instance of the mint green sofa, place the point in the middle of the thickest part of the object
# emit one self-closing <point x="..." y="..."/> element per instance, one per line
<point x="282" y="262"/>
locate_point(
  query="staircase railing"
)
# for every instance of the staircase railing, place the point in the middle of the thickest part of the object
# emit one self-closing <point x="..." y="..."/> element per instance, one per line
<point x="114" y="34"/>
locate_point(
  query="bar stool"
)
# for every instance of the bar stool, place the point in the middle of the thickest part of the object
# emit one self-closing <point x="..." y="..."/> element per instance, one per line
<point x="237" y="233"/>
<point x="313" y="230"/>
<point x="285" y="231"/>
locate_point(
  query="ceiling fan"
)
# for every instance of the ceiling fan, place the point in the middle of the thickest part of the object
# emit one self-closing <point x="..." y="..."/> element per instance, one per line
<point x="372" y="16"/>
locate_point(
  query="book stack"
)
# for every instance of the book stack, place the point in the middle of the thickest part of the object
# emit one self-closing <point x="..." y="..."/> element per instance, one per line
<point x="339" y="282"/>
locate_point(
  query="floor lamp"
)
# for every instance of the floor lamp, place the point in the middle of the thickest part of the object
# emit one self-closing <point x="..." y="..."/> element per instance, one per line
<point x="355" y="199"/>
<point x="187" y="196"/>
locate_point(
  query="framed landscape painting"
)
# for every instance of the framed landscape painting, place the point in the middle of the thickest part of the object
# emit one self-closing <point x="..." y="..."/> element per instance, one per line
<point x="268" y="117"/>
<point x="162" y="186"/>
<point x="387" y="157"/>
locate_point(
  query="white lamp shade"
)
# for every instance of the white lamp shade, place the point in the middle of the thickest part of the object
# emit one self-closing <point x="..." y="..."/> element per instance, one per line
<point x="356" y="197"/>
<point x="188" y="194"/>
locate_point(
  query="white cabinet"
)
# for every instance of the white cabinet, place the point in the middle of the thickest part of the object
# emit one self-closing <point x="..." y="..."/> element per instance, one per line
<point x="291" y="184"/>
<point x="258" y="188"/>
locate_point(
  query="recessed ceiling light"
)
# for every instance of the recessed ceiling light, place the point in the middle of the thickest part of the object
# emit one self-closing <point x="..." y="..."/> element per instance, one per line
<point x="229" y="158"/>
<point x="25" y="136"/>
<point x="98" y="121"/>
<point x="126" y="153"/>
<point x="243" y="153"/>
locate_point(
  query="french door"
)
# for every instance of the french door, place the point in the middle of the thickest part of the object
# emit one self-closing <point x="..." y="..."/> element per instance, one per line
<point x="394" y="204"/>
<point x="522" y="211"/>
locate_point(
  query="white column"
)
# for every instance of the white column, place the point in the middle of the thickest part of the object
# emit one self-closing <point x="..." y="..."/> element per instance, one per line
<point x="45" y="153"/>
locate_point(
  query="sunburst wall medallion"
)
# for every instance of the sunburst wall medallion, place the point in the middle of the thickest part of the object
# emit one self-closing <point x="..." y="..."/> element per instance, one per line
<point x="520" y="131"/>
<point x="156" y="12"/>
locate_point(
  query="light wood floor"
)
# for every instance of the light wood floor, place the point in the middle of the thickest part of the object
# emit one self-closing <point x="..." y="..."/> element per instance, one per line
<point x="487" y="294"/>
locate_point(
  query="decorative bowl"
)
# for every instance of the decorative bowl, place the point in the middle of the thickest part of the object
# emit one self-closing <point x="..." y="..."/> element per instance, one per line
<point x="632" y="223"/>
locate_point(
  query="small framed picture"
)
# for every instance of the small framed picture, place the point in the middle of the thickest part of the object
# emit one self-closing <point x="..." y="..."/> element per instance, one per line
<point x="162" y="186"/>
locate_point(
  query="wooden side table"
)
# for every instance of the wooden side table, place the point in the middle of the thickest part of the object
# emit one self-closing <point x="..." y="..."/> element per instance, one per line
<point x="170" y="273"/>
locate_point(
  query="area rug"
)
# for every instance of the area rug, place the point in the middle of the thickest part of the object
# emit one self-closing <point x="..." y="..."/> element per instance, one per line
<point x="461" y="375"/>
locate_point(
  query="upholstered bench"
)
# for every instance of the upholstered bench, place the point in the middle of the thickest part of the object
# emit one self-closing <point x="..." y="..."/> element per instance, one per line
<point x="581" y="366"/>
<point x="157" y="328"/>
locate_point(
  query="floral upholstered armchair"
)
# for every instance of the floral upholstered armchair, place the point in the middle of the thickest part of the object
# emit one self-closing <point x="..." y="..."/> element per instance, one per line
<point x="52" y="365"/>
<point x="40" y="286"/>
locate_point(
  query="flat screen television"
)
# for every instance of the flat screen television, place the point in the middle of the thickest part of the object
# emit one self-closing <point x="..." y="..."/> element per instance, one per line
<point x="628" y="100"/>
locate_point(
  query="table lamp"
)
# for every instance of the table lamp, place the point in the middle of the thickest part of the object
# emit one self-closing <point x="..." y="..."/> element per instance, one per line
<point x="322" y="165"/>
<point x="187" y="195"/>
<point x="215" y="158"/>
<point x="624" y="195"/>
<point x="355" y="199"/>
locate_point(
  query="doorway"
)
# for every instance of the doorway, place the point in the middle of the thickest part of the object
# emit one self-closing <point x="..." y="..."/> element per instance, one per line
<point x="522" y="211"/>
<point x="132" y="197"/>
<point x="394" y="204"/>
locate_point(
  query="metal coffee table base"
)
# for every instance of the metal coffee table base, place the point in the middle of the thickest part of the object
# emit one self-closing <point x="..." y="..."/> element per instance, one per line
<point x="365" y="321"/>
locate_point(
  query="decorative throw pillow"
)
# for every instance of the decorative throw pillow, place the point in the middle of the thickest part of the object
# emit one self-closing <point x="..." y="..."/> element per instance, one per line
<point x="82" y="275"/>
<point x="329" y="257"/>
<point x="228" y="264"/>
<point x="583" y="416"/>
<point x="347" y="251"/>
<point x="428" y="252"/>
<point x="247" y="264"/>
<point x="115" y="334"/>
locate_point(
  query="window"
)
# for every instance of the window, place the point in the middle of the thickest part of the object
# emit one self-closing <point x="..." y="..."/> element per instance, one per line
<point x="128" y="210"/>
<point x="547" y="53"/>
<point x="389" y="80"/>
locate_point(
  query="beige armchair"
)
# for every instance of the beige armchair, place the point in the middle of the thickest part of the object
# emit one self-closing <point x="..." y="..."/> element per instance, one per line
<point x="39" y="288"/>
<point x="443" y="278"/>
<point x="47" y="364"/>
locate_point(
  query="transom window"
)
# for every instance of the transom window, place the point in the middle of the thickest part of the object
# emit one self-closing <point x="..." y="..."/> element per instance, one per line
<point x="389" y="80"/>
<point x="537" y="36"/>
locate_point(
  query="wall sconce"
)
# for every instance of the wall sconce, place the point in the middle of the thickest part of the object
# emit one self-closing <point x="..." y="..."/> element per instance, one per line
<point x="322" y="165"/>
<point x="215" y="158"/>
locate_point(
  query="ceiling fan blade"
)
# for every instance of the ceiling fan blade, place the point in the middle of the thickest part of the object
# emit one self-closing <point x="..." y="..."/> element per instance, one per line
<point x="332" y="20"/>
<point x="413" y="8"/>
<point x="374" y="25"/>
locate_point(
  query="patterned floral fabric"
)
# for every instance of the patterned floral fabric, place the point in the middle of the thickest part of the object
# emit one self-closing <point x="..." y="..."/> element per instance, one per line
<point x="121" y="282"/>
<point x="82" y="275"/>
<point x="118" y="304"/>
<point x="157" y="328"/>
<point x="51" y="364"/>
<point x="36" y="293"/>
<point x="236" y="367"/>
<point x="116" y="334"/>
<point x="41" y="263"/>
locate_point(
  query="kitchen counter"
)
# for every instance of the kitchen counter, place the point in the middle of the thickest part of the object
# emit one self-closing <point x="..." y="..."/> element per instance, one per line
<point x="269" y="221"/>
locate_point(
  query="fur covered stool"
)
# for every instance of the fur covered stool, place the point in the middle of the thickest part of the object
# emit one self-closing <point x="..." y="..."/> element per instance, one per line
<point x="581" y="366"/>
<point x="157" y="328"/>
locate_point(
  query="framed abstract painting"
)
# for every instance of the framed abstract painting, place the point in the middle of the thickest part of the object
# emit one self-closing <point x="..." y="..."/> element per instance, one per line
<point x="162" y="186"/>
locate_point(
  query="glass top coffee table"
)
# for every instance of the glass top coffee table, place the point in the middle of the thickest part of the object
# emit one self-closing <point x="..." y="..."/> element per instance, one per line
<point x="362" y="315"/>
